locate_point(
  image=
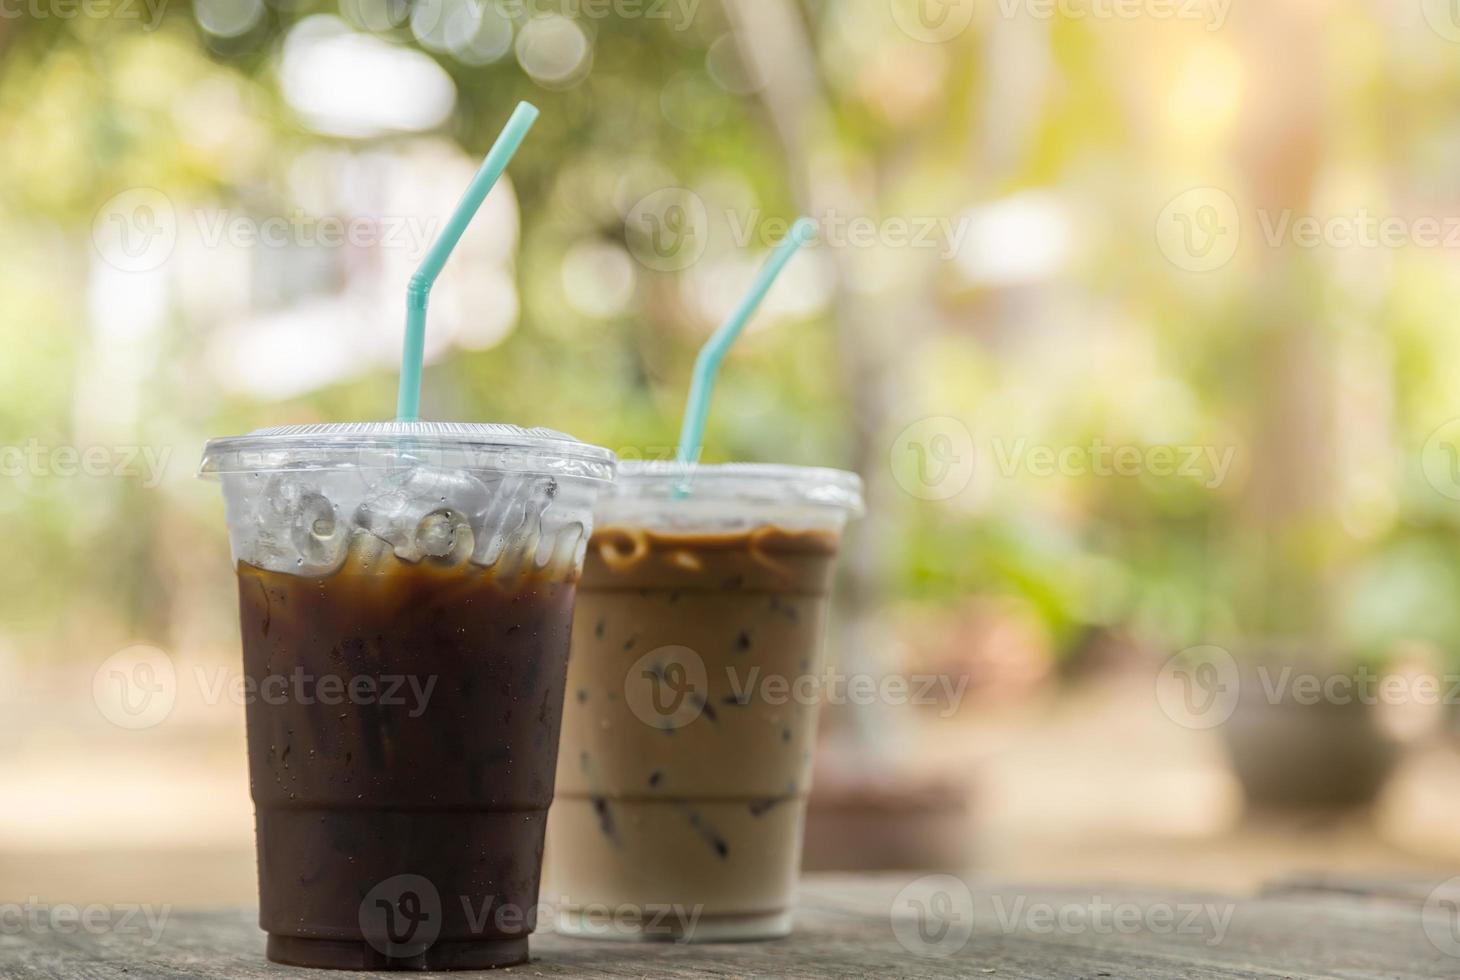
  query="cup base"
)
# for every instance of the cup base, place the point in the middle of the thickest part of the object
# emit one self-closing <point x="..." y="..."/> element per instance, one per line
<point x="340" y="954"/>
<point x="707" y="929"/>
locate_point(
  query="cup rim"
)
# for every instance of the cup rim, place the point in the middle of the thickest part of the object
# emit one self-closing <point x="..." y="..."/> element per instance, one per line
<point x="488" y="445"/>
<point x="741" y="483"/>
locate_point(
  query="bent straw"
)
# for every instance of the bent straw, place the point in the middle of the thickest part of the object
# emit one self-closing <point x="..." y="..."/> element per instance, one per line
<point x="707" y="365"/>
<point x="418" y="293"/>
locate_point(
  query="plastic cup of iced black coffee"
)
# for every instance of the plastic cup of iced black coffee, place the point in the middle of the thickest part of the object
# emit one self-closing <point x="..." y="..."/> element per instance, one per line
<point x="406" y="592"/>
<point x="693" y="690"/>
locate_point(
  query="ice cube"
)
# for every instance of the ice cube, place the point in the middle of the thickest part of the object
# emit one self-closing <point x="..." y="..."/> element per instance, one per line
<point x="424" y="511"/>
<point x="445" y="534"/>
<point x="512" y="525"/>
<point x="293" y="527"/>
<point x="318" y="535"/>
<point x="388" y="517"/>
<point x="560" y="544"/>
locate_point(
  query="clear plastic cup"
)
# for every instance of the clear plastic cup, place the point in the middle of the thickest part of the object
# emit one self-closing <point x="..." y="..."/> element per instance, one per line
<point x="693" y="693"/>
<point x="406" y="593"/>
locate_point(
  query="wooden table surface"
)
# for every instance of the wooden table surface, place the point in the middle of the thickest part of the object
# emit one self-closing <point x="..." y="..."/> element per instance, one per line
<point x="893" y="926"/>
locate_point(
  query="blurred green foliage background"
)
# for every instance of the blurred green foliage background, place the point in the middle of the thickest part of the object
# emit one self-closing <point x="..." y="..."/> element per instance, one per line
<point x="1055" y="315"/>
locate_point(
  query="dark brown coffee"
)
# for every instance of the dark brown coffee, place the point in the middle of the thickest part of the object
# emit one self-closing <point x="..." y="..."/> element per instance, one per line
<point x="402" y="736"/>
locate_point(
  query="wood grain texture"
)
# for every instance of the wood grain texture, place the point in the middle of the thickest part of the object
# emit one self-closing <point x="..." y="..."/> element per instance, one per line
<point x="849" y="926"/>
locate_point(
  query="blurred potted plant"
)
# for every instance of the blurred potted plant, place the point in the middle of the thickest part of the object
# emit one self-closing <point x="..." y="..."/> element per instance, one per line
<point x="1303" y="732"/>
<point x="1318" y="724"/>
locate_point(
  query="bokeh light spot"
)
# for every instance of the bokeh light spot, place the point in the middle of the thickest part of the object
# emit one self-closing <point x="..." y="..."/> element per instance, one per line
<point x="554" y="51"/>
<point x="598" y="279"/>
<point x="228" y="18"/>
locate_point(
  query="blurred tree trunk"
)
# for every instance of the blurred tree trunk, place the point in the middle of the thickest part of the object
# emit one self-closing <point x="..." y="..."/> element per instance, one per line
<point x="1293" y="498"/>
<point x="773" y="43"/>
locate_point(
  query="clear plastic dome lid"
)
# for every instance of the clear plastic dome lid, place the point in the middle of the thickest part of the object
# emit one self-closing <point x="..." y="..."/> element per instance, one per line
<point x="771" y="483"/>
<point x="730" y="496"/>
<point x="458" y="445"/>
<point x="301" y="499"/>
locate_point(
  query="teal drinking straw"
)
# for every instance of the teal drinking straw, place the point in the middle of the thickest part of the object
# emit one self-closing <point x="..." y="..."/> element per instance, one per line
<point x="707" y="365"/>
<point x="418" y="293"/>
